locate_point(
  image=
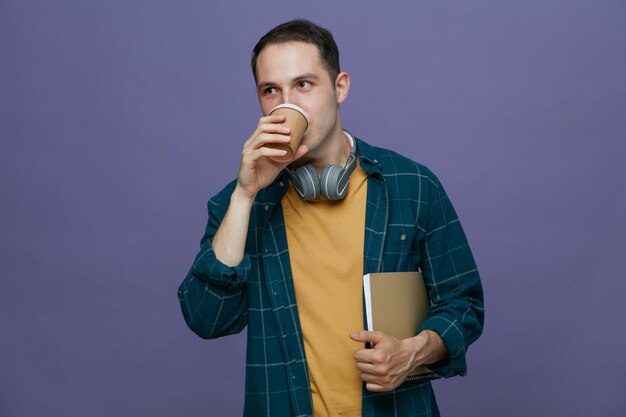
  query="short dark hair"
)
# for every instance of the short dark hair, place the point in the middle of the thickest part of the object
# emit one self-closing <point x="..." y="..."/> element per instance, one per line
<point x="301" y="30"/>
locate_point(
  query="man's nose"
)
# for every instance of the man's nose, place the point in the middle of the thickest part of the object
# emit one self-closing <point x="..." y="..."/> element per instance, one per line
<point x="287" y="96"/>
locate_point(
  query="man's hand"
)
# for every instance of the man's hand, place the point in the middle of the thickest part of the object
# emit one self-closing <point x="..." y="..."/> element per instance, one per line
<point x="257" y="170"/>
<point x="390" y="361"/>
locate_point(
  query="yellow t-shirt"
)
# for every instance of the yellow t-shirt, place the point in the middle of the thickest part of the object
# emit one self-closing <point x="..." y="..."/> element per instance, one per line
<point x="325" y="240"/>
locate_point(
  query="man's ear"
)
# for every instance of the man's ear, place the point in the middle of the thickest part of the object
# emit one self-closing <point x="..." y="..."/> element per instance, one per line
<point x="342" y="86"/>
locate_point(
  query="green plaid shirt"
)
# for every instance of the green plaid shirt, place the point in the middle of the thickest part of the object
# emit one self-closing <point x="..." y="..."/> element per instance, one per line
<point x="410" y="225"/>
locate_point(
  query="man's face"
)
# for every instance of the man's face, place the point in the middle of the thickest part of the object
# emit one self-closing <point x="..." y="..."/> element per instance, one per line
<point x="293" y="72"/>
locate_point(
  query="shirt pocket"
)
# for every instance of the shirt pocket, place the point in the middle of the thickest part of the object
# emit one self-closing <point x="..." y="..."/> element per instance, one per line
<point x="401" y="252"/>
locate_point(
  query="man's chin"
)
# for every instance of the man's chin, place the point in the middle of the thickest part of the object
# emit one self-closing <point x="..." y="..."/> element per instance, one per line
<point x="307" y="141"/>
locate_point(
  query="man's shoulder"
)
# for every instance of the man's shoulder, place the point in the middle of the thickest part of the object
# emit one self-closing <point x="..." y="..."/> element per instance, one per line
<point x="394" y="164"/>
<point x="221" y="200"/>
<point x="268" y="195"/>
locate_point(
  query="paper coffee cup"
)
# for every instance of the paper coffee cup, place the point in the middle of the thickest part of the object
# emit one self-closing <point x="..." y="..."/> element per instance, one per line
<point x="297" y="121"/>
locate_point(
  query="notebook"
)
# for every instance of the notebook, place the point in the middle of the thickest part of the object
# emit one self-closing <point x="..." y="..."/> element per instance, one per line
<point x="396" y="303"/>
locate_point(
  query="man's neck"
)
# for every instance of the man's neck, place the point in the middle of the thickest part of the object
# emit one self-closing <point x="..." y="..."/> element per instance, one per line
<point x="335" y="150"/>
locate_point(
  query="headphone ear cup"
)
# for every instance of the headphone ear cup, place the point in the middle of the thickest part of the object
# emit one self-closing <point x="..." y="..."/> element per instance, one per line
<point x="308" y="184"/>
<point x="334" y="182"/>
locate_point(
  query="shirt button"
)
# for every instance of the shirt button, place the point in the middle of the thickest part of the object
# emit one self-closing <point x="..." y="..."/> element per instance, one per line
<point x="267" y="251"/>
<point x="375" y="161"/>
<point x="282" y="184"/>
<point x="284" y="336"/>
<point x="293" y="377"/>
<point x="402" y="236"/>
<point x="266" y="208"/>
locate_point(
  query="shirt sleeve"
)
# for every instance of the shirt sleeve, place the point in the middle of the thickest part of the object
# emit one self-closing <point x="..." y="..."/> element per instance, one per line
<point x="213" y="295"/>
<point x="455" y="290"/>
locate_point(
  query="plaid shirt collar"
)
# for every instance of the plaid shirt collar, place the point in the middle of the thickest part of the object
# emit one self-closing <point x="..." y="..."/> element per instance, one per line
<point x="367" y="161"/>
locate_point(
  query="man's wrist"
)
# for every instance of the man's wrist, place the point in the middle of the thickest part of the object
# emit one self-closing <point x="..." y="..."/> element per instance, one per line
<point x="239" y="197"/>
<point x="414" y="346"/>
<point x="435" y="347"/>
<point x="429" y="348"/>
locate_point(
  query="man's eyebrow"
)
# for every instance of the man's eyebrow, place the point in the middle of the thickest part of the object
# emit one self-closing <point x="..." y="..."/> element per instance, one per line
<point x="306" y="76"/>
<point x="264" y="84"/>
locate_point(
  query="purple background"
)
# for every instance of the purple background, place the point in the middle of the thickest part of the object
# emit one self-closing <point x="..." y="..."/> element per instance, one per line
<point x="119" y="119"/>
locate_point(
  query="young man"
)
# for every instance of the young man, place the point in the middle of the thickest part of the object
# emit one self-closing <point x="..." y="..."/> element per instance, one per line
<point x="290" y="267"/>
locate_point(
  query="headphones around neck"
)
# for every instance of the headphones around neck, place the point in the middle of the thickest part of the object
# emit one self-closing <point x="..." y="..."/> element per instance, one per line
<point x="332" y="184"/>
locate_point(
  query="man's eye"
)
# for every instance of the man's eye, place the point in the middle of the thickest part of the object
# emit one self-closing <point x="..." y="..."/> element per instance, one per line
<point x="304" y="84"/>
<point x="269" y="90"/>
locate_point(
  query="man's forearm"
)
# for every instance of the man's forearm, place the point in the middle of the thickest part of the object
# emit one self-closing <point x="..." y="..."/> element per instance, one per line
<point x="229" y="241"/>
<point x="430" y="348"/>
